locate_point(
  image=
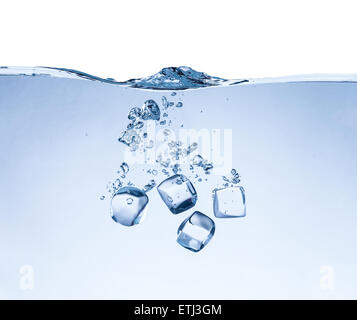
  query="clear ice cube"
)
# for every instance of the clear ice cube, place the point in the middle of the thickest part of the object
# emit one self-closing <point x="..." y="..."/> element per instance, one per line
<point x="196" y="231"/>
<point x="229" y="202"/>
<point x="128" y="206"/>
<point x="178" y="193"/>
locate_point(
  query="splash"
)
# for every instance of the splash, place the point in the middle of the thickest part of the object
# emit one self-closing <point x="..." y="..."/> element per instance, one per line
<point x="179" y="78"/>
<point x="173" y="78"/>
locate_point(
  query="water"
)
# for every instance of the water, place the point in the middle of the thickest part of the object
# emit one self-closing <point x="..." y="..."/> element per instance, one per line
<point x="291" y="143"/>
<point x="178" y="193"/>
<point x="128" y="206"/>
<point x="196" y="231"/>
<point x="229" y="202"/>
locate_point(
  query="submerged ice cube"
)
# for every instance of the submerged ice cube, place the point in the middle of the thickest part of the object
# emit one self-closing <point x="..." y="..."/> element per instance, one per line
<point x="229" y="202"/>
<point x="128" y="206"/>
<point x="196" y="231"/>
<point x="178" y="193"/>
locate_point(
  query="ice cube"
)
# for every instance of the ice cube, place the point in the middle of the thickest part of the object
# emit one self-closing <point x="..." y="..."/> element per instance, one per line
<point x="178" y="193"/>
<point x="196" y="231"/>
<point x="229" y="202"/>
<point x="128" y="206"/>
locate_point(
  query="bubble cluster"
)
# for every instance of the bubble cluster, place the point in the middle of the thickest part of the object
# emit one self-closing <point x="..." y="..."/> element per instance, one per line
<point x="178" y="167"/>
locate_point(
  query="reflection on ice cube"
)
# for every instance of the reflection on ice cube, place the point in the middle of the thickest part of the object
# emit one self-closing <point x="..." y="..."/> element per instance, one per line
<point x="178" y="193"/>
<point x="229" y="202"/>
<point x="196" y="231"/>
<point x="128" y="206"/>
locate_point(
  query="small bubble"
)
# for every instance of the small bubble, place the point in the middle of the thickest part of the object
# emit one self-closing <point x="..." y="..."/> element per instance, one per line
<point x="197" y="160"/>
<point x="134" y="113"/>
<point x="139" y="125"/>
<point x="179" y="105"/>
<point x="165" y="163"/>
<point x="102" y="198"/>
<point x="207" y="166"/>
<point x="150" y="144"/>
<point x="192" y="148"/>
<point x="176" y="168"/>
<point x="164" y="102"/>
<point x="150" y="185"/>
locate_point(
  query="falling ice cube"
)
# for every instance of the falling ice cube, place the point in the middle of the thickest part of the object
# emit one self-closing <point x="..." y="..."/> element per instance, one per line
<point x="229" y="202"/>
<point x="128" y="206"/>
<point x="196" y="231"/>
<point x="178" y="193"/>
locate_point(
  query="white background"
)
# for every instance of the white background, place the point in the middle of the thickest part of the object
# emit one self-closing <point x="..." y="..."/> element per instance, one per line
<point x="232" y="39"/>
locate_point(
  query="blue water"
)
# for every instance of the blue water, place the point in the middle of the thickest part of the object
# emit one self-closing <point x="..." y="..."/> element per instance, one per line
<point x="293" y="143"/>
